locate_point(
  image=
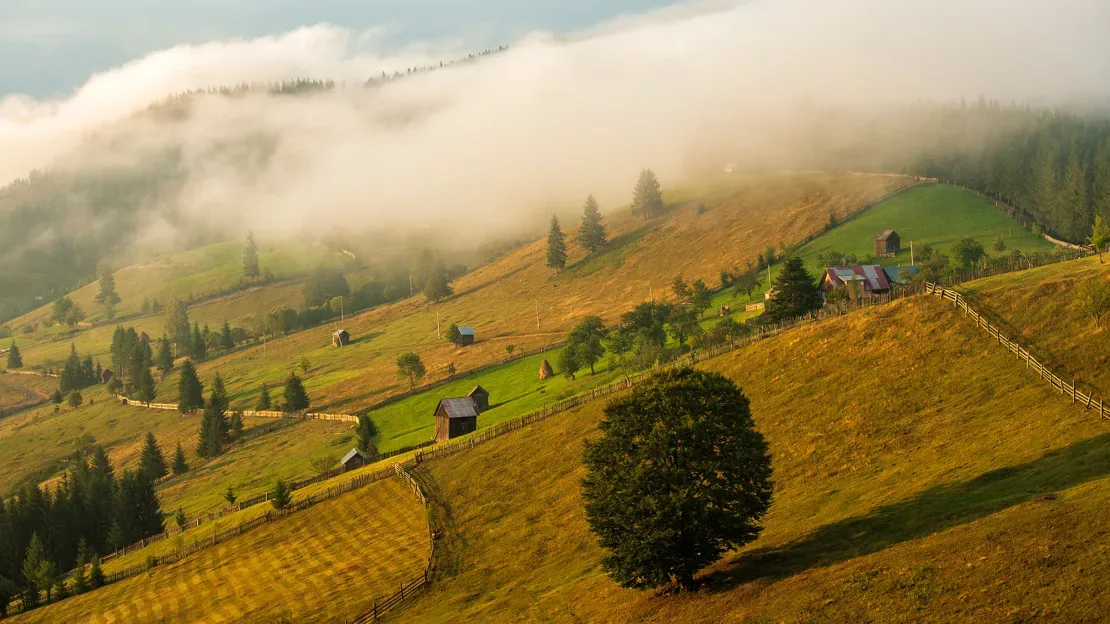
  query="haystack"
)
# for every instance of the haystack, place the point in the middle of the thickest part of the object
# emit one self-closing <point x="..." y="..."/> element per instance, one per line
<point x="545" y="371"/>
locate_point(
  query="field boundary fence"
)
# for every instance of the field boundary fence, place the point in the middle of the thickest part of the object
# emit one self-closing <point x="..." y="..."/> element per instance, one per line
<point x="982" y="322"/>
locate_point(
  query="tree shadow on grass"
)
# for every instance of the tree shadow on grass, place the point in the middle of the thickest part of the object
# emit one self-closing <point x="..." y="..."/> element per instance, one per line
<point x="934" y="510"/>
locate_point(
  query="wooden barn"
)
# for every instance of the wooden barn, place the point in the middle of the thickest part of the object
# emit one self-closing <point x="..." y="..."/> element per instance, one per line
<point x="340" y="338"/>
<point x="887" y="243"/>
<point x="481" y="398"/>
<point x="106" y="375"/>
<point x="354" y="459"/>
<point x="455" y="417"/>
<point x="872" y="279"/>
<point x="466" y="336"/>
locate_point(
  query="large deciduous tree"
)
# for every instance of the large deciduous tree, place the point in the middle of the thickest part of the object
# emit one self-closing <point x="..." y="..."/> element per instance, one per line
<point x="679" y="476"/>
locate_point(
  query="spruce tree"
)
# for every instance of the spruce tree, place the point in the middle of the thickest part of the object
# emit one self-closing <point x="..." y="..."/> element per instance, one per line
<point x="219" y="394"/>
<point x="190" y="392"/>
<point x="165" y="356"/>
<point x="556" y="246"/>
<point x="199" y="346"/>
<point x="280" y="496"/>
<point x="647" y="198"/>
<point x="208" y="441"/>
<point x="108" y="298"/>
<point x="250" y="257"/>
<point x="38" y="569"/>
<point x="366" y="433"/>
<point x="80" y="575"/>
<point x="96" y="575"/>
<point x="263" y="404"/>
<point x="151" y="461"/>
<point x="236" y="425"/>
<point x="179" y="466"/>
<point x="226" y="343"/>
<point x="795" y="293"/>
<point x="144" y="386"/>
<point x="296" y="398"/>
<point x="15" y="360"/>
<point x="591" y="233"/>
<point x="177" y="326"/>
<point x="71" y="377"/>
<point x="180" y="519"/>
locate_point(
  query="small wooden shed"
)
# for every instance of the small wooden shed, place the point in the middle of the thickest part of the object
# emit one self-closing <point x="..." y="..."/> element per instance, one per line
<point x="455" y="417"/>
<point x="106" y="375"/>
<point x="340" y="338"/>
<point x="481" y="398"/>
<point x="888" y="243"/>
<point x="354" y="459"/>
<point x="466" y="336"/>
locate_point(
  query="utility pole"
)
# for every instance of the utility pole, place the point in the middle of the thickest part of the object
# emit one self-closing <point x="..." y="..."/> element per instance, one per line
<point x="438" y="333"/>
<point x="911" y="253"/>
<point x="537" y="314"/>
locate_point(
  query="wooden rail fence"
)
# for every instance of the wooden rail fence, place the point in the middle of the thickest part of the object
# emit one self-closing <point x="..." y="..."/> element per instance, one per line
<point x="1054" y="380"/>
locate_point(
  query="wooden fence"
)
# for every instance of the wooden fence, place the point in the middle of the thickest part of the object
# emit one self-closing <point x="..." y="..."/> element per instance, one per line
<point x="1054" y="380"/>
<point x="249" y="413"/>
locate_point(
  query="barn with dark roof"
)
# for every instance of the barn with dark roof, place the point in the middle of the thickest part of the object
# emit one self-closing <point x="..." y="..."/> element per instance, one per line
<point x="481" y="398"/>
<point x="455" y="417"/>
<point x="887" y="243"/>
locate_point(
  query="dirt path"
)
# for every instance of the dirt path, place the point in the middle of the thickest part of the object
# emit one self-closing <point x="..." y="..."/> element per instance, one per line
<point x="31" y="397"/>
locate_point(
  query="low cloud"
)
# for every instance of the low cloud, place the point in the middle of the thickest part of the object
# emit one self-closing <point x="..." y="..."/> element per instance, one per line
<point x="551" y="119"/>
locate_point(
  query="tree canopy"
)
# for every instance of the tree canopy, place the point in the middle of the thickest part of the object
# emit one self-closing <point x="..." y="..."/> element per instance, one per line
<point x="679" y="477"/>
<point x="794" y="291"/>
<point x="411" y="367"/>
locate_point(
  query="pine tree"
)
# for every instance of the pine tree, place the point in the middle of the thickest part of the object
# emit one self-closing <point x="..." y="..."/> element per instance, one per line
<point x="165" y="356"/>
<point x="280" y="496"/>
<point x="80" y="575"/>
<point x="96" y="575"/>
<point x="226" y="343"/>
<point x="263" y="404"/>
<point x="144" y="386"/>
<point x="151" y="461"/>
<point x="366" y="433"/>
<point x="71" y="377"/>
<point x="108" y="298"/>
<point x="296" y="398"/>
<point x="15" y="360"/>
<point x="179" y="466"/>
<point x="180" y="519"/>
<point x="199" y="346"/>
<point x="190" y="392"/>
<point x="591" y="233"/>
<point x="230" y="496"/>
<point x="38" y="569"/>
<point x="250" y="257"/>
<point x="647" y="198"/>
<point x="556" y="246"/>
<point x="236" y="425"/>
<point x="795" y="293"/>
<point x="208" y="442"/>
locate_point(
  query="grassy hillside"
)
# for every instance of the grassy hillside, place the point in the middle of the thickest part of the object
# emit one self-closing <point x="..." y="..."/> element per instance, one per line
<point x="501" y="299"/>
<point x="17" y="390"/>
<point x="324" y="564"/>
<point x="921" y="475"/>
<point x="937" y="215"/>
<point x="1037" y="307"/>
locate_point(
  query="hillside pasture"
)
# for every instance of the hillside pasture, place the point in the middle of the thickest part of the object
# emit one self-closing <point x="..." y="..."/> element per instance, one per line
<point x="930" y="479"/>
<point x="325" y="564"/>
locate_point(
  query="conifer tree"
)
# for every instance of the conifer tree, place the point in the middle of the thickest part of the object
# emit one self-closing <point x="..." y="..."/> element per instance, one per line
<point x="144" y="386"/>
<point x="591" y="233"/>
<point x="15" y="360"/>
<point x="250" y="257"/>
<point x="108" y="298"/>
<point x="226" y="343"/>
<point x="71" y="377"/>
<point x="80" y="575"/>
<point x="96" y="575"/>
<point x="38" y="569"/>
<point x="647" y="198"/>
<point x="151" y="461"/>
<point x="199" y="346"/>
<point x="208" y="442"/>
<point x="179" y="466"/>
<point x="236" y="425"/>
<point x="366" y="433"/>
<point x="219" y="394"/>
<point x="280" y="496"/>
<point x="296" y="398"/>
<point x="165" y="356"/>
<point x="263" y="404"/>
<point x="180" y="519"/>
<point x="795" y="293"/>
<point x="190" y="392"/>
<point x="556" y="246"/>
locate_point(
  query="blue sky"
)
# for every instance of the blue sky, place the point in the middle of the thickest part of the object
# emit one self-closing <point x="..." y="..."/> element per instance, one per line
<point x="50" y="47"/>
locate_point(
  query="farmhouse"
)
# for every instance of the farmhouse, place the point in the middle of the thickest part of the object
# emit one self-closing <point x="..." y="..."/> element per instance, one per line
<point x="354" y="459"/>
<point x="341" y="338"/>
<point x="871" y="278"/>
<point x="455" y="417"/>
<point x="466" y="336"/>
<point x="887" y="243"/>
<point x="900" y="274"/>
<point x="481" y="398"/>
